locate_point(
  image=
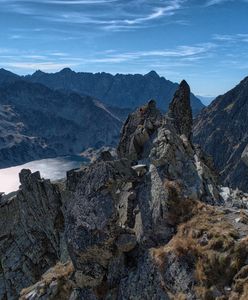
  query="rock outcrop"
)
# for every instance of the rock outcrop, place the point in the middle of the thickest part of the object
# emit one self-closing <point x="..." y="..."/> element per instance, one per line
<point x="122" y="209"/>
<point x="222" y="131"/>
<point x="31" y="233"/>
<point x="138" y="129"/>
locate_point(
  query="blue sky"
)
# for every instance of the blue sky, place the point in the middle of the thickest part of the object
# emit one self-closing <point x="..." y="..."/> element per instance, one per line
<point x="202" y="41"/>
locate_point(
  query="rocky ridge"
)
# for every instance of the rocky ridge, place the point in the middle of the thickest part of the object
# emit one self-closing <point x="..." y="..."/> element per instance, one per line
<point x="146" y="225"/>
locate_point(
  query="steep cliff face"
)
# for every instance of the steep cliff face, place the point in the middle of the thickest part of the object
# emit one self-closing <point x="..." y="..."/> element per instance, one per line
<point x="30" y="237"/>
<point x="222" y="131"/>
<point x="125" y="91"/>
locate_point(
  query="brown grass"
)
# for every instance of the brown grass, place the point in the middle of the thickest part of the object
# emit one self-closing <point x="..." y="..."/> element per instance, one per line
<point x="243" y="217"/>
<point x="59" y="273"/>
<point x="218" y="253"/>
<point x="180" y="209"/>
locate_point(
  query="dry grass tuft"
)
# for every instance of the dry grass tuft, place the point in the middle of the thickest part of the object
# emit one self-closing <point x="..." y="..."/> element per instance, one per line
<point x="59" y="274"/>
<point x="218" y="252"/>
<point x="180" y="209"/>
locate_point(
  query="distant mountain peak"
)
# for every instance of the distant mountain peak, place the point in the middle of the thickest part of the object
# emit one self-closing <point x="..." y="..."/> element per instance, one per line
<point x="152" y="74"/>
<point x="66" y="71"/>
<point x="6" y="72"/>
<point x="7" y="76"/>
<point x="38" y="73"/>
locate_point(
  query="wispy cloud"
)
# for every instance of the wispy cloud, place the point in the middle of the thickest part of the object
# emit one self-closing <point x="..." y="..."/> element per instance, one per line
<point x="76" y="2"/>
<point x="31" y="66"/>
<point x="28" y="61"/>
<point x="238" y="37"/>
<point x="178" y="52"/>
<point x="104" y="14"/>
<point x="53" y="60"/>
<point x="15" y="36"/>
<point x="215" y="2"/>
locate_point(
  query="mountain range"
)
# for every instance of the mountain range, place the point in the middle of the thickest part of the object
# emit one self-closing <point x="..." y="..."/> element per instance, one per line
<point x="46" y="115"/>
<point x="123" y="91"/>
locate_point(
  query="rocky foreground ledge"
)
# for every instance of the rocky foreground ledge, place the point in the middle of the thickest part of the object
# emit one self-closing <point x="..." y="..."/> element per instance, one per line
<point x="152" y="224"/>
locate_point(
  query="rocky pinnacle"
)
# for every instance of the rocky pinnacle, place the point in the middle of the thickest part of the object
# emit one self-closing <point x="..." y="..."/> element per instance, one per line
<point x="180" y="110"/>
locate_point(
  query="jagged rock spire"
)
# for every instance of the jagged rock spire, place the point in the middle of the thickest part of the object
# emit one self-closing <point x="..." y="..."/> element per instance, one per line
<point x="137" y="130"/>
<point x="180" y="110"/>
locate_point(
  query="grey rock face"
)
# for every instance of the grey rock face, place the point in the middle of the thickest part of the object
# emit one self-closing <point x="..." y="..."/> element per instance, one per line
<point x="31" y="227"/>
<point x="180" y="110"/>
<point x="137" y="130"/>
<point x="93" y="221"/>
<point x="179" y="275"/>
<point x="143" y="283"/>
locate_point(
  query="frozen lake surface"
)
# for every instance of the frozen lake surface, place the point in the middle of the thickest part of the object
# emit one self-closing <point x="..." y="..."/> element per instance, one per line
<point x="50" y="168"/>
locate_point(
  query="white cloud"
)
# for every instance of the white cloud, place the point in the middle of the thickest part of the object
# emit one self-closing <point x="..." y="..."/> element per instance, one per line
<point x="54" y="60"/>
<point x="181" y="51"/>
<point x="238" y="37"/>
<point x="104" y="14"/>
<point x="79" y="2"/>
<point x="214" y="2"/>
<point x="32" y="66"/>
